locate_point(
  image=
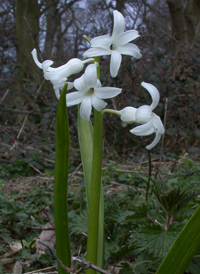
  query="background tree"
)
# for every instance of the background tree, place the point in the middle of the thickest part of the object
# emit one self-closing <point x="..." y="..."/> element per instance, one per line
<point x="27" y="15"/>
<point x="185" y="20"/>
<point x="169" y="43"/>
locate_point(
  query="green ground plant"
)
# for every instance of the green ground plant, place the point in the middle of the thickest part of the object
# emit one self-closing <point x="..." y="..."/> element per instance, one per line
<point x="138" y="233"/>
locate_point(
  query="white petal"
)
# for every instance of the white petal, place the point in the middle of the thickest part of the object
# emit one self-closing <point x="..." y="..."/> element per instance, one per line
<point x="157" y="123"/>
<point x="74" y="98"/>
<point x="127" y="36"/>
<point x="80" y="84"/>
<point x="103" y="41"/>
<point x="86" y="108"/>
<point x="130" y="49"/>
<point x="153" y="92"/>
<point x="56" y="80"/>
<point x="98" y="104"/>
<point x="57" y="92"/>
<point x="115" y="63"/>
<point x="124" y="124"/>
<point x="143" y="130"/>
<point x="143" y="114"/>
<point x="98" y="83"/>
<point x="73" y="66"/>
<point x="90" y="75"/>
<point x="128" y="115"/>
<point x="92" y="52"/>
<point x="45" y="66"/>
<point x="34" y="54"/>
<point x="58" y="85"/>
<point x="70" y="85"/>
<point x="107" y="92"/>
<point x="155" y="141"/>
<point x="119" y="24"/>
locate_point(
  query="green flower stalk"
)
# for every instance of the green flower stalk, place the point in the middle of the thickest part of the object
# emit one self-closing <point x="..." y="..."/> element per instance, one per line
<point x="95" y="190"/>
<point x="94" y="242"/>
<point x="85" y="132"/>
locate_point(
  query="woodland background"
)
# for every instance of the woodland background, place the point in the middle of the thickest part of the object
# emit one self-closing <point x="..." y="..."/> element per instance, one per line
<point x="169" y="42"/>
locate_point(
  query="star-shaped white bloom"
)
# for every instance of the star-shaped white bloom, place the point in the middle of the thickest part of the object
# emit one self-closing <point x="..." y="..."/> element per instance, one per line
<point x="58" y="76"/>
<point x="151" y="123"/>
<point x="115" y="45"/>
<point x="90" y="93"/>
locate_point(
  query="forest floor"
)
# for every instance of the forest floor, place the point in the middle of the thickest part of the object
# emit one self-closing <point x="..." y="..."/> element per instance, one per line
<point x="26" y="210"/>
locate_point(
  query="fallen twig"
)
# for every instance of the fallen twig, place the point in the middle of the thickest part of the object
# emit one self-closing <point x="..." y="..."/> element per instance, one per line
<point x="4" y="96"/>
<point x="43" y="269"/>
<point x="87" y="265"/>
<point x="84" y="264"/>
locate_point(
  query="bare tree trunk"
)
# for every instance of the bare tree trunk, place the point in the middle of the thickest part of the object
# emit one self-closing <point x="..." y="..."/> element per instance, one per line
<point x="185" y="23"/>
<point x="192" y="18"/>
<point x="120" y="5"/>
<point x="27" y="31"/>
<point x="177" y="21"/>
<point x="53" y="20"/>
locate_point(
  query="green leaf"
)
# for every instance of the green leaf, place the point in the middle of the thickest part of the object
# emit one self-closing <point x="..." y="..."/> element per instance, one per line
<point x="60" y="184"/>
<point x="79" y="224"/>
<point x="122" y="215"/>
<point x="194" y="266"/>
<point x="122" y="251"/>
<point x="155" y="239"/>
<point x="188" y="164"/>
<point x="184" y="248"/>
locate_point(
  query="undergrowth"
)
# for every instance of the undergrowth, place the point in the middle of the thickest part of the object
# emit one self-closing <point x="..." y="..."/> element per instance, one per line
<point x="138" y="233"/>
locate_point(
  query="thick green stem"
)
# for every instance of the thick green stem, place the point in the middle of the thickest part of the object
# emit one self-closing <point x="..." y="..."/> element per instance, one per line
<point x="95" y="192"/>
<point x="85" y="132"/>
<point x="85" y="135"/>
<point x="60" y="184"/>
<point x="95" y="242"/>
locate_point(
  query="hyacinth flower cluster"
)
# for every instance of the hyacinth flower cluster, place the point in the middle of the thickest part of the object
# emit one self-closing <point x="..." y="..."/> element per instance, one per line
<point x="89" y="92"/>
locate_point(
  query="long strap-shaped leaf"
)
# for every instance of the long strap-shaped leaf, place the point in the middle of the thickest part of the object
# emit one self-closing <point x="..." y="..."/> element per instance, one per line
<point x="60" y="184"/>
<point x="184" y="248"/>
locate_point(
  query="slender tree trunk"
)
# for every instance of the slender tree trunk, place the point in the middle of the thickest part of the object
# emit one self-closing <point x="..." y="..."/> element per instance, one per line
<point x="53" y="20"/>
<point x="184" y="22"/>
<point x="120" y="5"/>
<point x="177" y="22"/>
<point x="192" y="19"/>
<point x="27" y="31"/>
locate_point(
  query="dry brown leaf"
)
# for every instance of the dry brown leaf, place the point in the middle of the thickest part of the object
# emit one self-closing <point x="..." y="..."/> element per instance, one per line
<point x="48" y="237"/>
<point x="17" y="268"/>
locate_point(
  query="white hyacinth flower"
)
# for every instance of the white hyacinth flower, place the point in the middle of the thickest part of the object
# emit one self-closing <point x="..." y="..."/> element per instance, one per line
<point x="151" y="123"/>
<point x="58" y="76"/>
<point x="90" y="93"/>
<point x="115" y="45"/>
